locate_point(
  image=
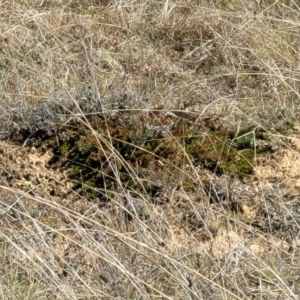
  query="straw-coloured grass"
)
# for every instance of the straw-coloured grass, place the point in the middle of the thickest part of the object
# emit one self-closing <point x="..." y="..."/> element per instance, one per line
<point x="149" y="149"/>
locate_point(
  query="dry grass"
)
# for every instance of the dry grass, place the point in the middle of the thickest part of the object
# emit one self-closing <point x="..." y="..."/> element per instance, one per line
<point x="197" y="235"/>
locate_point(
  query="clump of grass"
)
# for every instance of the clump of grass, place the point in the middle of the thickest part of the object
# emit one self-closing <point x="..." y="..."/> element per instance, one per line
<point x="121" y="210"/>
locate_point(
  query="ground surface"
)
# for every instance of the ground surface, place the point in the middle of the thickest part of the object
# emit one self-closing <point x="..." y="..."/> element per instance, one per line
<point x="149" y="150"/>
<point x="277" y="176"/>
<point x="232" y="220"/>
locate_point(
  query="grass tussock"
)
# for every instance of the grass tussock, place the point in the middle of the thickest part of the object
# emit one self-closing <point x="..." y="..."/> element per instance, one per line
<point x="149" y="150"/>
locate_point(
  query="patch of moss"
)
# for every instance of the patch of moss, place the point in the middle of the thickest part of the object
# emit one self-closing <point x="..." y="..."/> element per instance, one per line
<point x="92" y="163"/>
<point x="214" y="153"/>
<point x="245" y="142"/>
<point x="241" y="163"/>
<point x="64" y="148"/>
